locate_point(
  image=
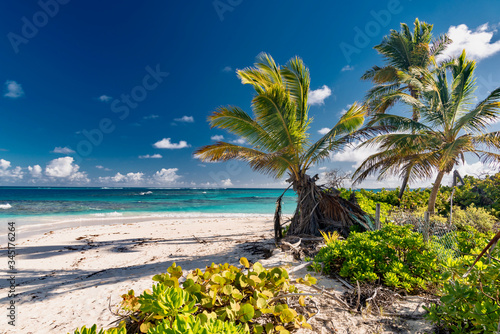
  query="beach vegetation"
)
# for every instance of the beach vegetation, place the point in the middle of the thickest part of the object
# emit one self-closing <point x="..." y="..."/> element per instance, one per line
<point x="394" y="255"/>
<point x="469" y="303"/>
<point x="221" y="297"/>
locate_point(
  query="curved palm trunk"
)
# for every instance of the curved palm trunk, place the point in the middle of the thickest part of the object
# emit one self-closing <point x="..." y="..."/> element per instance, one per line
<point x="404" y="185"/>
<point x="305" y="219"/>
<point x="434" y="192"/>
<point x="318" y="211"/>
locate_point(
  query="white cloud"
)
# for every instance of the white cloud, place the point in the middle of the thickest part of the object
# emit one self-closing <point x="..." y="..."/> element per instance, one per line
<point x="64" y="168"/>
<point x="165" y="143"/>
<point x="226" y="183"/>
<point x="154" y="156"/>
<point x="35" y="171"/>
<point x="4" y="164"/>
<point x="151" y="116"/>
<point x="477" y="43"/>
<point x="119" y="177"/>
<point x="165" y="176"/>
<point x="13" y="89"/>
<point x="185" y="119"/>
<point x="239" y="141"/>
<point x="323" y="168"/>
<point x="318" y="96"/>
<point x="103" y="168"/>
<point x="354" y="154"/>
<point x="347" y="68"/>
<point x="62" y="150"/>
<point x="217" y="137"/>
<point x="227" y="69"/>
<point x="343" y="111"/>
<point x="324" y="131"/>
<point x="7" y="173"/>
<point x="105" y="98"/>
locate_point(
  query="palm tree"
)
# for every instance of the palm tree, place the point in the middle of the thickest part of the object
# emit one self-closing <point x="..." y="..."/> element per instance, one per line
<point x="449" y="129"/>
<point x="405" y="55"/>
<point x="278" y="140"/>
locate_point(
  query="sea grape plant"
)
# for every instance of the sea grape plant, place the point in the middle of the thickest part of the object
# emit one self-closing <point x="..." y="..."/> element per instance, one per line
<point x="395" y="255"/>
<point x="222" y="291"/>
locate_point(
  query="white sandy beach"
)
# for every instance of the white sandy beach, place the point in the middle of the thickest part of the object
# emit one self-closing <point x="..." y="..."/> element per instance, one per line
<point x="67" y="276"/>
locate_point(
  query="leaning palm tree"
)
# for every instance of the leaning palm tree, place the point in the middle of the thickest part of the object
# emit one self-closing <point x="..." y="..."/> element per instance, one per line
<point x="278" y="142"/>
<point x="449" y="129"/>
<point x="406" y="54"/>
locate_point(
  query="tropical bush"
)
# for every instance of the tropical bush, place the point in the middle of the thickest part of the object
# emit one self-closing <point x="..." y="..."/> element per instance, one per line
<point x="477" y="218"/>
<point x="368" y="200"/>
<point x="220" y="299"/>
<point x="180" y="325"/>
<point x="394" y="255"/>
<point x="470" y="304"/>
<point x="483" y="193"/>
<point x="93" y="330"/>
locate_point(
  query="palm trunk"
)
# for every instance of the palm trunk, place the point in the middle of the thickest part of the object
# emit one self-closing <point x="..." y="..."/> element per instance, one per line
<point x="415" y="117"/>
<point x="307" y="214"/>
<point x="403" y="186"/>
<point x="318" y="210"/>
<point x="434" y="192"/>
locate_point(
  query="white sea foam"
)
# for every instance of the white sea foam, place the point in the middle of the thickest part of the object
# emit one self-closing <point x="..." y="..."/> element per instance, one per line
<point x="108" y="214"/>
<point x="145" y="193"/>
<point x="5" y="206"/>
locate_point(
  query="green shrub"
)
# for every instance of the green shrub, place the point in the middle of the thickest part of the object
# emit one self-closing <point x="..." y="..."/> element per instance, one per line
<point x="478" y="218"/>
<point x="182" y="324"/>
<point x="93" y="330"/>
<point x="471" y="304"/>
<point x="236" y="297"/>
<point x="195" y="325"/>
<point x="394" y="255"/>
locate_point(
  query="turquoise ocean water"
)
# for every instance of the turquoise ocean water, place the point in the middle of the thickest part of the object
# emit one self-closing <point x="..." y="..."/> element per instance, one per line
<point x="29" y="202"/>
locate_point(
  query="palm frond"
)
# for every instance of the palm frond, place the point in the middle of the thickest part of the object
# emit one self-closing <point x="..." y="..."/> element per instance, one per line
<point x="297" y="80"/>
<point x="241" y="124"/>
<point x="273" y="164"/>
<point x="338" y="136"/>
<point x="485" y="113"/>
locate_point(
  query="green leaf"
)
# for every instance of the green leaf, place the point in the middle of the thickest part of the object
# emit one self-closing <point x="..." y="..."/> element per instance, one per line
<point x="246" y="312"/>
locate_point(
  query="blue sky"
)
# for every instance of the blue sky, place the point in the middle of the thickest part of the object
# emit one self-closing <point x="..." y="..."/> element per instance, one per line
<point x="107" y="94"/>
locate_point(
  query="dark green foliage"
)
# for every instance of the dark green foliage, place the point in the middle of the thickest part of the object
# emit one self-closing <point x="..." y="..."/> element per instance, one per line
<point x="483" y="193"/>
<point x="471" y="304"/>
<point x="195" y="325"/>
<point x="93" y="330"/>
<point x="395" y="255"/>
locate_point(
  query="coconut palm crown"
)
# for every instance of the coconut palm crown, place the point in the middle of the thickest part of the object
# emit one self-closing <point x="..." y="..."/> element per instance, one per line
<point x="405" y="54"/>
<point x="450" y="127"/>
<point x="277" y="135"/>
